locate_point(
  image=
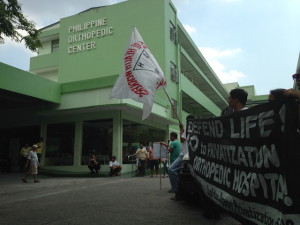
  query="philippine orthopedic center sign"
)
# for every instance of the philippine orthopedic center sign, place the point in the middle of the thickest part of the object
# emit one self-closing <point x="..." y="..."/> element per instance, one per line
<point x="82" y="36"/>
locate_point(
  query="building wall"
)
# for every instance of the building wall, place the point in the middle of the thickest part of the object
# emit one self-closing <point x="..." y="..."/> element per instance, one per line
<point x="86" y="76"/>
<point x="105" y="56"/>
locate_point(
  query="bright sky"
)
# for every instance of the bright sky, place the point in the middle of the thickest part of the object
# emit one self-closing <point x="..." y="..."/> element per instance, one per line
<point x="254" y="42"/>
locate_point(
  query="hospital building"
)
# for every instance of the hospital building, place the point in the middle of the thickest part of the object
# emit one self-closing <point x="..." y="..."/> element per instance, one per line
<point x="65" y="96"/>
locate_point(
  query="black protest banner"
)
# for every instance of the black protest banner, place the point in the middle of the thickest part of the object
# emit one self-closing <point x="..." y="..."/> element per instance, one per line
<point x="248" y="163"/>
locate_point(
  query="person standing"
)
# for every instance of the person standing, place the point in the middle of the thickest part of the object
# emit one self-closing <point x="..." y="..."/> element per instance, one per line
<point x="174" y="148"/>
<point x="24" y="154"/>
<point x="228" y="110"/>
<point x="39" y="151"/>
<point x="154" y="162"/>
<point x="115" y="167"/>
<point x="295" y="93"/>
<point x="142" y="156"/>
<point x="33" y="161"/>
<point x="296" y="78"/>
<point x="237" y="99"/>
<point x="176" y="165"/>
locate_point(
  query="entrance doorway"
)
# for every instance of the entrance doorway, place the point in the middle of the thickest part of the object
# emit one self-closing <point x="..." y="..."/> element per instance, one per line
<point x="11" y="142"/>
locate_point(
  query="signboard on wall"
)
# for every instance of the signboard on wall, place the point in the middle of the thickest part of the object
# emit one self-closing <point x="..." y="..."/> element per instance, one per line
<point x="82" y="36"/>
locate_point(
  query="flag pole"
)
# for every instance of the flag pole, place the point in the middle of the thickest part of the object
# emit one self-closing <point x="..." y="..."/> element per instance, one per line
<point x="160" y="167"/>
<point x="172" y="105"/>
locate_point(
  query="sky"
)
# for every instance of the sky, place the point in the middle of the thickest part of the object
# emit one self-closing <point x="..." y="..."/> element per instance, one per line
<point x="252" y="42"/>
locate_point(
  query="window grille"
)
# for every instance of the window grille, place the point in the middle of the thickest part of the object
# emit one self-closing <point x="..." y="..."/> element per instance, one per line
<point x="174" y="73"/>
<point x="174" y="109"/>
<point x="54" y="46"/>
<point x="173" y="37"/>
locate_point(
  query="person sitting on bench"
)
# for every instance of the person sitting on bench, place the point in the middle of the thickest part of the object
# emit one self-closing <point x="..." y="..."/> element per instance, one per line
<point x="115" y="167"/>
<point x="94" y="165"/>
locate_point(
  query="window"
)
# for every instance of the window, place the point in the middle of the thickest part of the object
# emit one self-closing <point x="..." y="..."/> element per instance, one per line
<point x="134" y="133"/>
<point x="174" y="73"/>
<point x="60" y="144"/>
<point x="54" y="46"/>
<point x="172" y="33"/>
<point x="97" y="139"/>
<point x="174" y="109"/>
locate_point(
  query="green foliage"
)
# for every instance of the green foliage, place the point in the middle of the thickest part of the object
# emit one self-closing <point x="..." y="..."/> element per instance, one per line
<point x="13" y="23"/>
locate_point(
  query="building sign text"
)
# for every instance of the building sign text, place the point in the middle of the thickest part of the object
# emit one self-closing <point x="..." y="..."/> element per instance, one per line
<point x="82" y="32"/>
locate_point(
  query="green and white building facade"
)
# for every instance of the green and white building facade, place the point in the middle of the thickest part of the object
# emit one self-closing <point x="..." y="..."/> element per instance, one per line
<point x="65" y="96"/>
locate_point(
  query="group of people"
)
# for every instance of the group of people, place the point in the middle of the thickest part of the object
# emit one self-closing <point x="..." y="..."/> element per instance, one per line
<point x="236" y="102"/>
<point x="30" y="157"/>
<point x="24" y="152"/>
<point x="32" y="163"/>
<point x="146" y="159"/>
<point x="114" y="166"/>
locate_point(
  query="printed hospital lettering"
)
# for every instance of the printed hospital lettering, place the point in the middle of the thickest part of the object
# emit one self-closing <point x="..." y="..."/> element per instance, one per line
<point x="79" y="34"/>
<point x="211" y="170"/>
<point x="91" y="35"/>
<point x="87" y="25"/>
<point x="247" y="156"/>
<point x="82" y="47"/>
<point x="211" y="128"/>
<point x="262" y="216"/>
<point x="139" y="45"/>
<point x="263" y="121"/>
<point x="133" y="84"/>
<point x="282" y="112"/>
<point x="242" y="162"/>
<point x="273" y="185"/>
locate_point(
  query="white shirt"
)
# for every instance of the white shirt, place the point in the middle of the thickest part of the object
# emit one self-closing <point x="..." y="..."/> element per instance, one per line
<point x="184" y="145"/>
<point x="115" y="163"/>
<point x="32" y="156"/>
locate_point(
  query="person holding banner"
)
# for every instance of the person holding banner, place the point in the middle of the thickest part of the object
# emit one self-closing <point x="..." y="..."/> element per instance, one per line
<point x="237" y="99"/>
<point x="281" y="94"/>
<point x="176" y="165"/>
<point x="296" y="78"/>
<point x="276" y="95"/>
<point x="294" y="93"/>
<point x="174" y="149"/>
<point x="228" y="110"/>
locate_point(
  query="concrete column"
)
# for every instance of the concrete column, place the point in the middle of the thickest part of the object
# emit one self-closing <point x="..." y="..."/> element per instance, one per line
<point x="43" y="134"/>
<point x="117" y="135"/>
<point x="78" y="143"/>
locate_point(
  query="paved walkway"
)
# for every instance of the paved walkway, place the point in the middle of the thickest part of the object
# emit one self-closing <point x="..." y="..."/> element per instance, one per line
<point x="93" y="201"/>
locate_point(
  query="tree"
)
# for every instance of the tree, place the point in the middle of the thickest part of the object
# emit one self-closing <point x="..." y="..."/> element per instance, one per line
<point x="13" y="23"/>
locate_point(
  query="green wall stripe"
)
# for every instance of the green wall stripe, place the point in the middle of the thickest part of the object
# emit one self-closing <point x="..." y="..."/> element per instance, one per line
<point x="82" y="85"/>
<point x="26" y="83"/>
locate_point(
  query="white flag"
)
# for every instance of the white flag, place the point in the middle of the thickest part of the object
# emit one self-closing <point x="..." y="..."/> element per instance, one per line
<point x="141" y="75"/>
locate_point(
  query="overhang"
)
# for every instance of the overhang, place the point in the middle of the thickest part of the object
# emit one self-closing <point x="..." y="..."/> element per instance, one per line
<point x="21" y="88"/>
<point x="124" y="107"/>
